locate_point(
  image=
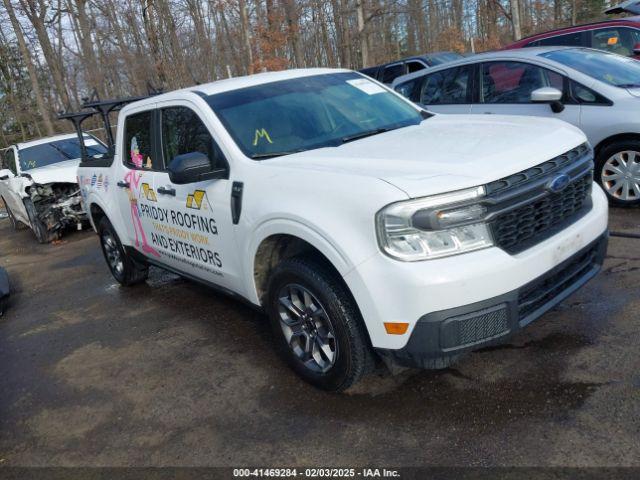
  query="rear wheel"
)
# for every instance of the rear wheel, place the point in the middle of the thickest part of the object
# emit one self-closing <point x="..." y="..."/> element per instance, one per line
<point x="125" y="269"/>
<point x="317" y="326"/>
<point x="618" y="172"/>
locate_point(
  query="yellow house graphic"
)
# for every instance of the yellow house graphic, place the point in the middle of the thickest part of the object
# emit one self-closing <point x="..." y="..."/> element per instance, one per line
<point x="194" y="200"/>
<point x="148" y="193"/>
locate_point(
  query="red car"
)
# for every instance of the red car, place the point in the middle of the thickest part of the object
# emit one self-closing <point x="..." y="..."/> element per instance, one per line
<point x="621" y="36"/>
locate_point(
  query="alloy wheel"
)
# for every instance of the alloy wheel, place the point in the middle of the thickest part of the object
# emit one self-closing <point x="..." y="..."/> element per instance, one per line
<point x="621" y="175"/>
<point x="112" y="252"/>
<point x="307" y="328"/>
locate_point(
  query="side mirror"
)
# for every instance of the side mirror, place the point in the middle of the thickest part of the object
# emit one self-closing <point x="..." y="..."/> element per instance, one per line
<point x="549" y="95"/>
<point x="193" y="167"/>
<point x="6" y="174"/>
<point x="636" y="49"/>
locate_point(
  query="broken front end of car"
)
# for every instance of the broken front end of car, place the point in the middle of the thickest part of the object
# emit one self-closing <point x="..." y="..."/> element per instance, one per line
<point x="53" y="208"/>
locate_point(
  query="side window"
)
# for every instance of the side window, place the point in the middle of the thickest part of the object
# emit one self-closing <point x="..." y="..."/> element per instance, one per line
<point x="446" y="87"/>
<point x="138" y="140"/>
<point x="615" y="40"/>
<point x="513" y="82"/>
<point x="586" y="96"/>
<point x="407" y="89"/>
<point x="392" y="72"/>
<point x="414" y="66"/>
<point x="10" y="161"/>
<point x="183" y="132"/>
<point x="568" y="40"/>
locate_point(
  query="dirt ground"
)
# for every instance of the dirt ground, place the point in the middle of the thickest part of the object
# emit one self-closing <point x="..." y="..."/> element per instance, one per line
<point x="172" y="373"/>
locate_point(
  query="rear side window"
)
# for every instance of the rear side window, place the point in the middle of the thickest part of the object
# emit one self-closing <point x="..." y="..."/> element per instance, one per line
<point x="414" y="66"/>
<point x="392" y="72"/>
<point x="568" y="40"/>
<point x="184" y="132"/>
<point x="447" y="87"/>
<point x="138" y="149"/>
<point x="408" y="89"/>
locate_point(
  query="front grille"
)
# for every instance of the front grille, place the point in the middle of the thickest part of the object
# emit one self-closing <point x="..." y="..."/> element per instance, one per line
<point x="475" y="327"/>
<point x="521" y="228"/>
<point x="523" y="212"/>
<point x="533" y="173"/>
<point x="543" y="290"/>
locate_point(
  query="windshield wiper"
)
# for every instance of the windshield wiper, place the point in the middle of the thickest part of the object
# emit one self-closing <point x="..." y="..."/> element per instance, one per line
<point x="257" y="156"/>
<point x="628" y="85"/>
<point x="65" y="154"/>
<point x="368" y="133"/>
<point x="376" y="131"/>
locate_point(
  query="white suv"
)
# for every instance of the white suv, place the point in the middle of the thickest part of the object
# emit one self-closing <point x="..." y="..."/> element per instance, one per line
<point x="358" y="222"/>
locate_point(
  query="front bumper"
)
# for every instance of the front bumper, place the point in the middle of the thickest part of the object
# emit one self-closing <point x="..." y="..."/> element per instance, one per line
<point x="441" y="336"/>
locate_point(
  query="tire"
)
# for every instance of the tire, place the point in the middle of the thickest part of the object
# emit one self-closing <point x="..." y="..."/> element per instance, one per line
<point x="610" y="163"/>
<point x="350" y="356"/>
<point x="43" y="235"/>
<point x="12" y="218"/>
<point x="125" y="269"/>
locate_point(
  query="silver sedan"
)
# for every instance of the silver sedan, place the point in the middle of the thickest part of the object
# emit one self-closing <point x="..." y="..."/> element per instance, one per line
<point x="596" y="91"/>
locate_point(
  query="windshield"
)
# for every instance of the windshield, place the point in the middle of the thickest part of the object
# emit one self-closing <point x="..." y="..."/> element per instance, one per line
<point x="58" y="151"/>
<point x="613" y="69"/>
<point x="305" y="113"/>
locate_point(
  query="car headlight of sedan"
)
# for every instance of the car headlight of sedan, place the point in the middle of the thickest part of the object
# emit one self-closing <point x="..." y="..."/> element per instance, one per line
<point x="434" y="227"/>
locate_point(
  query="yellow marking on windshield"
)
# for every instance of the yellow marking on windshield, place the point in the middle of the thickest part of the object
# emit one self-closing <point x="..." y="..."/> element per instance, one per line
<point x="261" y="134"/>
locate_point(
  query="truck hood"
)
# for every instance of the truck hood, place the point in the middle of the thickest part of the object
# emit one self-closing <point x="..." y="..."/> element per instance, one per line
<point x="445" y="152"/>
<point x="61" y="172"/>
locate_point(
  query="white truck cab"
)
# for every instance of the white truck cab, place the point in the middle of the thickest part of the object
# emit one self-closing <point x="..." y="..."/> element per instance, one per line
<point x="364" y="226"/>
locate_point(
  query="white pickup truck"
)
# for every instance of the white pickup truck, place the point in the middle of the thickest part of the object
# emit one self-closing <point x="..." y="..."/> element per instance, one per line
<point x="363" y="225"/>
<point x="38" y="183"/>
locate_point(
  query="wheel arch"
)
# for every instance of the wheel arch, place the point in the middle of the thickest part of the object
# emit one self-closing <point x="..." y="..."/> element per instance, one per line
<point x="620" y="137"/>
<point x="276" y="243"/>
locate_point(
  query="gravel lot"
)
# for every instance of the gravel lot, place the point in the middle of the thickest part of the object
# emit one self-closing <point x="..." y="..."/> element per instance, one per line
<point x="172" y="373"/>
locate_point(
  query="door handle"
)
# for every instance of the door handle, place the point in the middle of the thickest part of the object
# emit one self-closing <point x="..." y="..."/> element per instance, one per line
<point x="167" y="191"/>
<point x="123" y="184"/>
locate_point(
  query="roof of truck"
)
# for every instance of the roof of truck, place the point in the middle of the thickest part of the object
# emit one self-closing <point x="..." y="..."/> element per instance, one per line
<point x="237" y="83"/>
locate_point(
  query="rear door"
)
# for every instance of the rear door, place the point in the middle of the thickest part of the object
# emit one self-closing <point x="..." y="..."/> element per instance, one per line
<point x="134" y="182"/>
<point x="445" y="91"/>
<point x="505" y="88"/>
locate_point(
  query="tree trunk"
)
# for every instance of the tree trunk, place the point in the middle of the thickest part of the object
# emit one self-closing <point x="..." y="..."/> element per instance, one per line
<point x="36" y="11"/>
<point x="362" y="33"/>
<point x="33" y="77"/>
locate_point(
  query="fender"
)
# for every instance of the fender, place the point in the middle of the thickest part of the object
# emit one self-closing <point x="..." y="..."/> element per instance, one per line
<point x="110" y="211"/>
<point x="285" y="226"/>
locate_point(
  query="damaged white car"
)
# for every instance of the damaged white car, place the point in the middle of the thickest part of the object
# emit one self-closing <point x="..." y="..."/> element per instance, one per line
<point x="39" y="186"/>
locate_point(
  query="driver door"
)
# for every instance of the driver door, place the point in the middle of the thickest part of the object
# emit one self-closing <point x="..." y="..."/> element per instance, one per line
<point x="193" y="227"/>
<point x="505" y="88"/>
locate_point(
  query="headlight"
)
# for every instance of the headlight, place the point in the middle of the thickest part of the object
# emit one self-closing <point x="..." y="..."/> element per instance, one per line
<point x="434" y="227"/>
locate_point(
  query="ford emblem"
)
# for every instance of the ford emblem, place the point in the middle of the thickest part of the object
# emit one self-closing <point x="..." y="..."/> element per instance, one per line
<point x="559" y="183"/>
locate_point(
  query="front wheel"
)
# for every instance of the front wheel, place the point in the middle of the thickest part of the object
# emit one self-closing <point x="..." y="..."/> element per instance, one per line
<point x="40" y="230"/>
<point x="618" y="172"/>
<point x="317" y="326"/>
<point x="125" y="269"/>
